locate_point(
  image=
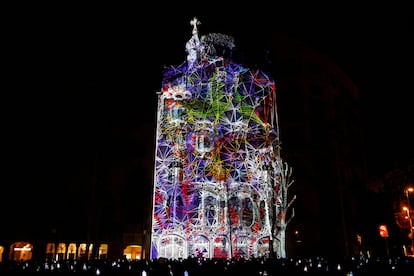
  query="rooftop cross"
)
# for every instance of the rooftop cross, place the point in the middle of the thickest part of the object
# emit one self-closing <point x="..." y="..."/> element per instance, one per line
<point x="195" y="22"/>
<point x="194" y="47"/>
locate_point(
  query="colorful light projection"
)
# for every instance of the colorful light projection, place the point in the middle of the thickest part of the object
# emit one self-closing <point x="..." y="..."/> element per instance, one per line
<point x="219" y="181"/>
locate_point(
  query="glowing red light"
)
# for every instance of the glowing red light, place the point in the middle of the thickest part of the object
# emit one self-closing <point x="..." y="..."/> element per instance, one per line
<point x="383" y="230"/>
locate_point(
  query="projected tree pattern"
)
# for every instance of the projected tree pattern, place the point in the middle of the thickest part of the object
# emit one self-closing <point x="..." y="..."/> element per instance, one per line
<point x="220" y="186"/>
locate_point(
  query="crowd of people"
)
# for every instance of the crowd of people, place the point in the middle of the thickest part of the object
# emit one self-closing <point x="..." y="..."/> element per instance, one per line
<point x="215" y="267"/>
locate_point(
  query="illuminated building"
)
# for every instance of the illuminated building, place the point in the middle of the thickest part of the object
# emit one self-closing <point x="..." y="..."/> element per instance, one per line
<point x="220" y="185"/>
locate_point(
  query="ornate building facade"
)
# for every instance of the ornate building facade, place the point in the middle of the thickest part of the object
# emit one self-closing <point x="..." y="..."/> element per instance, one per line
<point x="220" y="185"/>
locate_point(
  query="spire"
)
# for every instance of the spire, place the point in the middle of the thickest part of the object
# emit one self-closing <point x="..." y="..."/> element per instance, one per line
<point x="194" y="47"/>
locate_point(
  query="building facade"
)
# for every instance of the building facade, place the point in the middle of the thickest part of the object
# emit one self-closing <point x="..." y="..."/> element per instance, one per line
<point x="220" y="185"/>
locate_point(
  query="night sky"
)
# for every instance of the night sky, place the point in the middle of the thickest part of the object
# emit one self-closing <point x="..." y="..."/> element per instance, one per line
<point x="79" y="83"/>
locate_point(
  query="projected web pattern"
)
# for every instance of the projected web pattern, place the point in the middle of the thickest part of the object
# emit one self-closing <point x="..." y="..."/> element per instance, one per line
<point x="216" y="160"/>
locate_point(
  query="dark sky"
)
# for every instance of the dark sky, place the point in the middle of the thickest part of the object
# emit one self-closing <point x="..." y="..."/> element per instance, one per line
<point x="80" y="81"/>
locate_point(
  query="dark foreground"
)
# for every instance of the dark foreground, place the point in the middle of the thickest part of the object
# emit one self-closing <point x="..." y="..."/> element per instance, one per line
<point x="216" y="267"/>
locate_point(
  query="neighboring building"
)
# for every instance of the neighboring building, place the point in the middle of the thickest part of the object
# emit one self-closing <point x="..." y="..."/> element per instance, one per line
<point x="322" y="139"/>
<point x="220" y="186"/>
